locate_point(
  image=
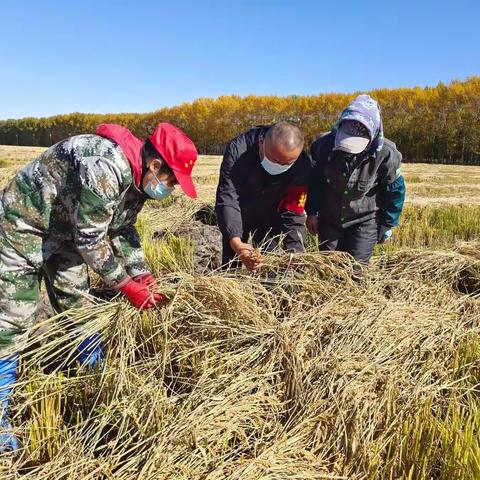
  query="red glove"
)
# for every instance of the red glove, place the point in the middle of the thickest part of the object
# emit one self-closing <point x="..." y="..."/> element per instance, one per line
<point x="146" y="279"/>
<point x="140" y="296"/>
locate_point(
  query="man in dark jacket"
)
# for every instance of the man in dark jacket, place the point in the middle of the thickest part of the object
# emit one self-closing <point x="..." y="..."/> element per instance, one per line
<point x="357" y="190"/>
<point x="262" y="192"/>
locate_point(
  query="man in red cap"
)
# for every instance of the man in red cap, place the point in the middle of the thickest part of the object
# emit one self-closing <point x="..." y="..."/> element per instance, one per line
<point x="75" y="208"/>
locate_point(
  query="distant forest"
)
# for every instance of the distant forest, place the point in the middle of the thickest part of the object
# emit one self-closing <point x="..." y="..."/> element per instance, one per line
<point x="434" y="124"/>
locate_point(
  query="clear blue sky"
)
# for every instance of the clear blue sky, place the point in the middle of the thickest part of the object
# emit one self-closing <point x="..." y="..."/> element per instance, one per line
<point x="59" y="56"/>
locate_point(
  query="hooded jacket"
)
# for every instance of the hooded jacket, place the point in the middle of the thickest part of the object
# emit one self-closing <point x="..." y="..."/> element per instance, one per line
<point x="348" y="191"/>
<point x="84" y="190"/>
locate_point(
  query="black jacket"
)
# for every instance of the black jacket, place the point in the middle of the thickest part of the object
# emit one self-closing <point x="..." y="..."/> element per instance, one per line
<point x="350" y="193"/>
<point x="249" y="200"/>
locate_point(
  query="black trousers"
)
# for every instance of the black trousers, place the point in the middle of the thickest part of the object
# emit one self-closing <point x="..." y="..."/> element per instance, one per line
<point x="358" y="240"/>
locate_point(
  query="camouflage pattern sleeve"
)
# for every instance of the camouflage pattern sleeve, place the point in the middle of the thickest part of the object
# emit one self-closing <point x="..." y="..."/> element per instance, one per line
<point x="100" y="194"/>
<point x="126" y="244"/>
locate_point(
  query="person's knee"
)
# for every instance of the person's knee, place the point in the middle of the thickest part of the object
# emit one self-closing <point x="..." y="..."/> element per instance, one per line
<point x="12" y="340"/>
<point x="18" y="309"/>
<point x="363" y="256"/>
<point x="326" y="244"/>
<point x="17" y="316"/>
<point x="330" y="236"/>
<point x="361" y="242"/>
<point x="68" y="289"/>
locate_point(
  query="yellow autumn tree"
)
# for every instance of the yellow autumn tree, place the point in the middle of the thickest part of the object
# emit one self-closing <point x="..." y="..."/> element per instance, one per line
<point x="432" y="124"/>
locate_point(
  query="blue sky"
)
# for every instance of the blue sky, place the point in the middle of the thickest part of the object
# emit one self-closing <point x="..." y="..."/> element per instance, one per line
<point x="59" y="56"/>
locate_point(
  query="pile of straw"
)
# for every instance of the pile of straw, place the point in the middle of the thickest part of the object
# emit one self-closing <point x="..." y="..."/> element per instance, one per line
<point x="296" y="372"/>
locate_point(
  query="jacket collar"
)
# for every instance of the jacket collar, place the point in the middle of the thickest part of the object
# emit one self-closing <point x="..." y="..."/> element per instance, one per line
<point x="130" y="145"/>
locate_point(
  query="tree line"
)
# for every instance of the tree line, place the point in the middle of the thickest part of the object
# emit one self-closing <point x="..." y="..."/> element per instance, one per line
<point x="438" y="124"/>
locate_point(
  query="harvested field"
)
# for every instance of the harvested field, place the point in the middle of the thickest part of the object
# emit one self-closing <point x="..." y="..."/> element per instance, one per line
<point x="427" y="184"/>
<point x="295" y="372"/>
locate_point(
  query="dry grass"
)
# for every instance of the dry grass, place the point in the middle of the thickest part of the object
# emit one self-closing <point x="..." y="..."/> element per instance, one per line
<point x="427" y="184"/>
<point x="296" y="372"/>
<point x="292" y="373"/>
<point x="442" y="184"/>
<point x="12" y="156"/>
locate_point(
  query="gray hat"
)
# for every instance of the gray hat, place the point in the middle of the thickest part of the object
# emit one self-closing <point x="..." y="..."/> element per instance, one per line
<point x="352" y="137"/>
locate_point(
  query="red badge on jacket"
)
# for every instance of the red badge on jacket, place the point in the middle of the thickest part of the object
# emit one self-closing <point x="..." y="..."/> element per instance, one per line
<point x="294" y="200"/>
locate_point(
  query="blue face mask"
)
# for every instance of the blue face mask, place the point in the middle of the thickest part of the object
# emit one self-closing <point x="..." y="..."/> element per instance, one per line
<point x="160" y="192"/>
<point x="274" y="168"/>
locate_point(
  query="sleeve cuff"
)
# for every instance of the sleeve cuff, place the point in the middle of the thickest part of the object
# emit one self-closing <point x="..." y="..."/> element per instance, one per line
<point x="137" y="271"/>
<point x="233" y="234"/>
<point x="140" y="275"/>
<point x="122" y="283"/>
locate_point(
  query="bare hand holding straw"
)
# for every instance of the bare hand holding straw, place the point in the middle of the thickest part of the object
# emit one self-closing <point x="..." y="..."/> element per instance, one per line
<point x="247" y="254"/>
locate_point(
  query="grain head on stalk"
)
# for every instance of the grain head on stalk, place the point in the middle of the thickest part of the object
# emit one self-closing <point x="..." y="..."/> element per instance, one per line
<point x="295" y="371"/>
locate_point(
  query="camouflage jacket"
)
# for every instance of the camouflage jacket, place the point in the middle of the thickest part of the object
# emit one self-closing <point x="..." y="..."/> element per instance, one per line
<point x="79" y="190"/>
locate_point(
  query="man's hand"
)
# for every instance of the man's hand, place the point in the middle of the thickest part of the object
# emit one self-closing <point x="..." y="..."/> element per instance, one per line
<point x="140" y="295"/>
<point x="246" y="253"/>
<point x="312" y="224"/>
<point x="384" y="233"/>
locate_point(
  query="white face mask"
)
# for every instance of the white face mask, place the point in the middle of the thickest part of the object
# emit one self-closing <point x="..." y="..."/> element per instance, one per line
<point x="274" y="168"/>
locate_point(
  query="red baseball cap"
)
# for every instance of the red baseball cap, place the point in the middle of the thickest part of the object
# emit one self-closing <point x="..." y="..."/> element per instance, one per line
<point x="179" y="152"/>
